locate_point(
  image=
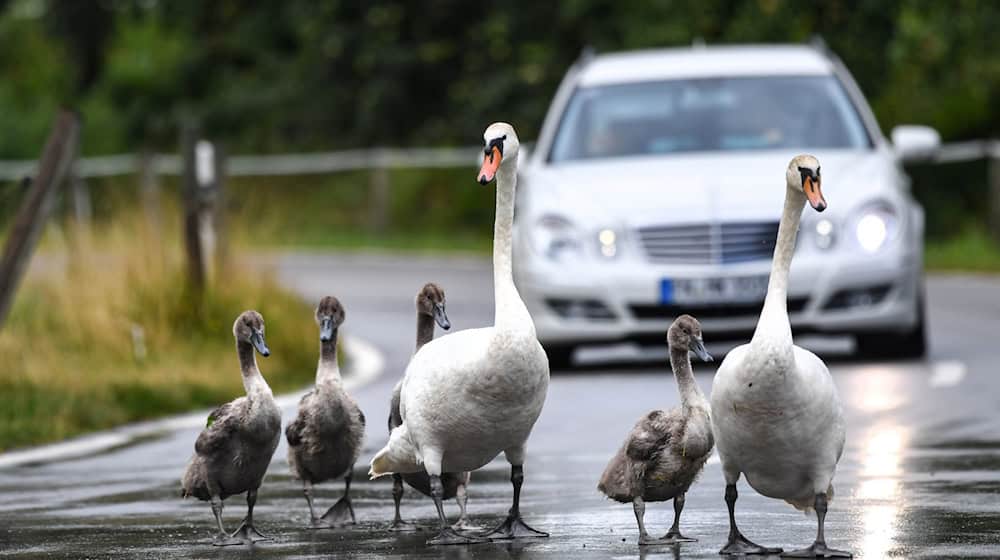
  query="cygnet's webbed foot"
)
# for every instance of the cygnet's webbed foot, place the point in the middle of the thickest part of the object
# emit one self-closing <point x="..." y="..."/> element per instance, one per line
<point x="674" y="535"/>
<point x="339" y="515"/>
<point x="463" y="524"/>
<point x="513" y="528"/>
<point x="741" y="545"/>
<point x="817" y="550"/>
<point x="451" y="536"/>
<point x="223" y="539"/>
<point x="400" y="526"/>
<point x="247" y="534"/>
<point x="646" y="540"/>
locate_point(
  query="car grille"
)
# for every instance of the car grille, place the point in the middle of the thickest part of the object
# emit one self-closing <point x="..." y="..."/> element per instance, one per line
<point x="714" y="243"/>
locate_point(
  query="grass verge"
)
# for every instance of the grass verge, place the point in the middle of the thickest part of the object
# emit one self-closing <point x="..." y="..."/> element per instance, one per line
<point x="114" y="336"/>
<point x="973" y="251"/>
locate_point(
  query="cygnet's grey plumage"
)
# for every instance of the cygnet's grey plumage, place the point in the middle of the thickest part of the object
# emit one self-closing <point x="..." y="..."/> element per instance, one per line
<point x="325" y="438"/>
<point x="430" y="303"/>
<point x="666" y="450"/>
<point x="235" y="448"/>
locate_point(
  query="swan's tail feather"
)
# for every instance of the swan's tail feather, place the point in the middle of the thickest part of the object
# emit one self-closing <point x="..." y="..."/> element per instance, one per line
<point x="806" y="505"/>
<point x="398" y="456"/>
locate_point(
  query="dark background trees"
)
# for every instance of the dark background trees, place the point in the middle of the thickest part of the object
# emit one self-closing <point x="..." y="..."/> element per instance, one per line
<point x="302" y="75"/>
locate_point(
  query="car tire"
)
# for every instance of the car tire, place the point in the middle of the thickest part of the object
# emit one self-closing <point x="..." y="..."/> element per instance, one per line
<point x="560" y="356"/>
<point x="896" y="345"/>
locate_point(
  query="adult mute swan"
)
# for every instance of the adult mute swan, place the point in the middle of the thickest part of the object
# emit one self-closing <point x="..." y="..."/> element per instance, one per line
<point x="430" y="304"/>
<point x="775" y="410"/>
<point x="233" y="451"/>
<point x="468" y="396"/>
<point x="666" y="450"/>
<point x="325" y="438"/>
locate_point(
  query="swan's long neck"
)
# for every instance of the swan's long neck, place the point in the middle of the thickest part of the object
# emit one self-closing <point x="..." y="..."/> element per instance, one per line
<point x="774" y="332"/>
<point x="425" y="329"/>
<point x="691" y="395"/>
<point x="253" y="381"/>
<point x="328" y="370"/>
<point x="511" y="314"/>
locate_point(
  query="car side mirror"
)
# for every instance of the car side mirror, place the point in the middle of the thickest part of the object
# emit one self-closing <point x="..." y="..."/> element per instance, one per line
<point x="913" y="141"/>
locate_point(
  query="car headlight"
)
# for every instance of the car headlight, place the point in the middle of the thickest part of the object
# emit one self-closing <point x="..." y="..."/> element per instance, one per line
<point x="555" y="237"/>
<point x="876" y="226"/>
<point x="607" y="243"/>
<point x="825" y="234"/>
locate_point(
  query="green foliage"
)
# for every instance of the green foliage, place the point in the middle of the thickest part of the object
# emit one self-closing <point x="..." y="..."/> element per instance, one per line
<point x="970" y="251"/>
<point x="118" y="338"/>
<point x="297" y="75"/>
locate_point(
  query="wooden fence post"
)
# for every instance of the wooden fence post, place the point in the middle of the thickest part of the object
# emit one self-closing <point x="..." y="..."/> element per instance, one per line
<point x="190" y="200"/>
<point x="37" y="204"/>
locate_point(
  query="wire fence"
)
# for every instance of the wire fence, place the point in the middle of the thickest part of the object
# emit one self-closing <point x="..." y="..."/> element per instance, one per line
<point x="265" y="165"/>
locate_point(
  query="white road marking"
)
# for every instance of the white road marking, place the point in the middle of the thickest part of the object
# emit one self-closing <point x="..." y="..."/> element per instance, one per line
<point x="947" y="374"/>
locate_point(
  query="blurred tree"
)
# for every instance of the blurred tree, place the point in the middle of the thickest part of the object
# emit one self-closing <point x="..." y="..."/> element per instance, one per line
<point x="279" y="76"/>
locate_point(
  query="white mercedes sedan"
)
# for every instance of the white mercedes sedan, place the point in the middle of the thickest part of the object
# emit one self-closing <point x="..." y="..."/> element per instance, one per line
<point x="656" y="186"/>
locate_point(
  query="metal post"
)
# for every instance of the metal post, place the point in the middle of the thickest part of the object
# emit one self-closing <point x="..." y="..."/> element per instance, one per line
<point x="37" y="204"/>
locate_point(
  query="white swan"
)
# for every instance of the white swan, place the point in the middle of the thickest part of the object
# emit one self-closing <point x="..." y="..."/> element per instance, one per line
<point x="469" y="395"/>
<point x="775" y="411"/>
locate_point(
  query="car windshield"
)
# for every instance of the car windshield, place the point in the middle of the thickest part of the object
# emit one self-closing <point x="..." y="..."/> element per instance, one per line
<point x="708" y="114"/>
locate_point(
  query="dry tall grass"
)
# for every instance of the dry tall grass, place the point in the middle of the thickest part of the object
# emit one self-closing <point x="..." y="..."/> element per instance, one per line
<point x="110" y="333"/>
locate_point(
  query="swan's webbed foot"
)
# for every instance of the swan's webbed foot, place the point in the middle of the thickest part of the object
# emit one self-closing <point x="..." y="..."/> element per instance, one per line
<point x="674" y="535"/>
<point x="817" y="550"/>
<point x="223" y="539"/>
<point x="513" y="528"/>
<point x="400" y="526"/>
<point x="248" y="534"/>
<point x="463" y="524"/>
<point x="740" y="545"/>
<point x="646" y="540"/>
<point x="451" y="536"/>
<point x="339" y="515"/>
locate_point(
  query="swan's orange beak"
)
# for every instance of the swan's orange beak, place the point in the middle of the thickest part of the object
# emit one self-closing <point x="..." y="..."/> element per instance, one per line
<point x="814" y="194"/>
<point x="491" y="162"/>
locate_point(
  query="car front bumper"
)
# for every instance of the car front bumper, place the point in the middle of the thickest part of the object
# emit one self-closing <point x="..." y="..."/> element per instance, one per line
<point x="620" y="301"/>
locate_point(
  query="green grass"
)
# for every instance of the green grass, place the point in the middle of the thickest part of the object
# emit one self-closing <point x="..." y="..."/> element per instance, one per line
<point x="973" y="250"/>
<point x="71" y="356"/>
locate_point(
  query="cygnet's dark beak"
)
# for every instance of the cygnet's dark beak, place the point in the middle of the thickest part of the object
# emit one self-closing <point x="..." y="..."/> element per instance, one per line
<point x="441" y="317"/>
<point x="326" y="329"/>
<point x="257" y="339"/>
<point x="698" y="347"/>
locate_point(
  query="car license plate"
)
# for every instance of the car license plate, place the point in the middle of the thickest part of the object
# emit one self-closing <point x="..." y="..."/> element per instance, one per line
<point x="730" y="289"/>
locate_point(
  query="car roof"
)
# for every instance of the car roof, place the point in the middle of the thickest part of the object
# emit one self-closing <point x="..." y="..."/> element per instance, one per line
<point x="704" y="62"/>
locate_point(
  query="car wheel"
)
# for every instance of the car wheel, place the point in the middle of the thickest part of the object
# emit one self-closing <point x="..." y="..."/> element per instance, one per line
<point x="560" y="355"/>
<point x="912" y="344"/>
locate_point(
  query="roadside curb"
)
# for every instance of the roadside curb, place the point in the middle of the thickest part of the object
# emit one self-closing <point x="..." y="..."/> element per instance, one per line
<point x="364" y="365"/>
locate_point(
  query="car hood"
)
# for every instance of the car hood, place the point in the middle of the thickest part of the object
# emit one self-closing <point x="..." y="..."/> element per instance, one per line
<point x="640" y="191"/>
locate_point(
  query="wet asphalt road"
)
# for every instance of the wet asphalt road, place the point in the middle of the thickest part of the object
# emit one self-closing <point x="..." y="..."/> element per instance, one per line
<point x="919" y="477"/>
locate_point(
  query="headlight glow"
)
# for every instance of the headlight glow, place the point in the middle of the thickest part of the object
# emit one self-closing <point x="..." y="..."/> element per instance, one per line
<point x="824" y="234"/>
<point x="609" y="242"/>
<point x="554" y="237"/>
<point x="876" y="227"/>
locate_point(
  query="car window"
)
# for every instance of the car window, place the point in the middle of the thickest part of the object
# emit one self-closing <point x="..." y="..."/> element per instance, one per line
<point x="708" y="114"/>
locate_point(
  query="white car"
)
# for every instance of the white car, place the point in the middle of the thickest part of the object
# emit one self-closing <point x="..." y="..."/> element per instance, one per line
<point x="657" y="183"/>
